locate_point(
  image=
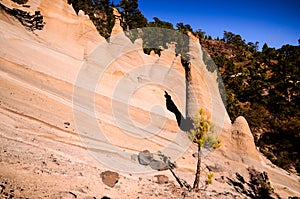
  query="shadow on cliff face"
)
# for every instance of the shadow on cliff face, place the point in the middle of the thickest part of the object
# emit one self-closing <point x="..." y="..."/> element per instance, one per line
<point x="185" y="124"/>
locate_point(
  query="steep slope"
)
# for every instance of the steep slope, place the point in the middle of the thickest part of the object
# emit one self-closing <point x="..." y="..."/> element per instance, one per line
<point x="74" y="105"/>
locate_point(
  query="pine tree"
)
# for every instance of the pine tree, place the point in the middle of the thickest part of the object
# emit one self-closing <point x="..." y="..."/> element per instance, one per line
<point x="200" y="136"/>
<point x="132" y="16"/>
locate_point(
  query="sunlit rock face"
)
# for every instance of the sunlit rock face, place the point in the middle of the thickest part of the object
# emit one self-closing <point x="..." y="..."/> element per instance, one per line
<point x="115" y="90"/>
<point x="73" y="103"/>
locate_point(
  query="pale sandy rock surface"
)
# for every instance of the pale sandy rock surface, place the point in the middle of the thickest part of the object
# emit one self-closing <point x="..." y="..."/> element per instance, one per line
<point x="62" y="125"/>
<point x="242" y="142"/>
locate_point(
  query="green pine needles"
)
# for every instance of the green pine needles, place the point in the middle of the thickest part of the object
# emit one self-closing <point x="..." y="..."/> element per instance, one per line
<point x="200" y="135"/>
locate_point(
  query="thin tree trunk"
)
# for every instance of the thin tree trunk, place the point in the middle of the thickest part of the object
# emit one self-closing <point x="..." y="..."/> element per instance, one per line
<point x="197" y="177"/>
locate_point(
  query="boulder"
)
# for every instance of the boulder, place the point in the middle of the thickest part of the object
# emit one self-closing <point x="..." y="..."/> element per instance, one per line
<point x="109" y="178"/>
<point x="158" y="165"/>
<point x="145" y="157"/>
<point x="162" y="179"/>
<point x="215" y="168"/>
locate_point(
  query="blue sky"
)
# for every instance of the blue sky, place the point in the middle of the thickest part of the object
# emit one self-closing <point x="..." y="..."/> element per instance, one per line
<point x="274" y="22"/>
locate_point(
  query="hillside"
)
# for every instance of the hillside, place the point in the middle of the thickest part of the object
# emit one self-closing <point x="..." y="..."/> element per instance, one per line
<point x="74" y="105"/>
<point x="264" y="88"/>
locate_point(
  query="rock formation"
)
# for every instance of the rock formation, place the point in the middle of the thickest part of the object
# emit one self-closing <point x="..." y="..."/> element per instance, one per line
<point x="203" y="90"/>
<point x="72" y="103"/>
<point x="242" y="141"/>
<point x="30" y="22"/>
<point x="117" y="29"/>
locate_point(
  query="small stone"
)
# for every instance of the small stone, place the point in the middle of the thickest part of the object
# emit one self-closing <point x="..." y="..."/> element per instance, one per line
<point x="158" y="165"/>
<point x="220" y="180"/>
<point x="109" y="178"/>
<point x="195" y="155"/>
<point x="145" y="157"/>
<point x="162" y="179"/>
<point x="215" y="168"/>
<point x="184" y="194"/>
